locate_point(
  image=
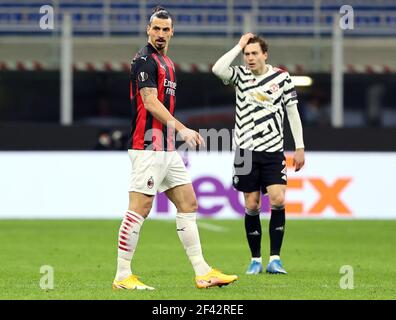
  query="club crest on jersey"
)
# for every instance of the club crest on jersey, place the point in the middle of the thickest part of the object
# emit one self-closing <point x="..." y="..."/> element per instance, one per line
<point x="274" y="87"/>
<point x="150" y="183"/>
<point x="142" y="76"/>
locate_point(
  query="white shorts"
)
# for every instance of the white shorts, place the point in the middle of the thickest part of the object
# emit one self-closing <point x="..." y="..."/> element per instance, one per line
<point x="156" y="171"/>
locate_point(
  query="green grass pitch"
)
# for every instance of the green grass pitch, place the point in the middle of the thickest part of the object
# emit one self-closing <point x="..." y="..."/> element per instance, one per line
<point x="83" y="255"/>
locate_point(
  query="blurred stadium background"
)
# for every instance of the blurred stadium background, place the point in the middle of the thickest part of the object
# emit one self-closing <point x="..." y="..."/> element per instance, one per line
<point x="64" y="105"/>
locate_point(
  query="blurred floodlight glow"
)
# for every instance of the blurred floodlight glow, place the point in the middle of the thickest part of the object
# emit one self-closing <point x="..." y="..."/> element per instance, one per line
<point x="302" y="81"/>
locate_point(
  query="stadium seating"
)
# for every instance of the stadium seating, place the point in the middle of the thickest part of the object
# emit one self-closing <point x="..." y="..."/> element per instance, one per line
<point x="207" y="17"/>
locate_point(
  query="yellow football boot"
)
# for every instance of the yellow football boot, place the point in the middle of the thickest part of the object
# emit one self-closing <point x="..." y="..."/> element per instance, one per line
<point x="214" y="278"/>
<point x="131" y="283"/>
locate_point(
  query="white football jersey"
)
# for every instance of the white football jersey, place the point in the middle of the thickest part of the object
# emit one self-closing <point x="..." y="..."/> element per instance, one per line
<point x="261" y="102"/>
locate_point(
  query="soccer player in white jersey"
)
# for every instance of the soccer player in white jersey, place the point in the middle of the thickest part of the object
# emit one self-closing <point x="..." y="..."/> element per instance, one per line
<point x="263" y="94"/>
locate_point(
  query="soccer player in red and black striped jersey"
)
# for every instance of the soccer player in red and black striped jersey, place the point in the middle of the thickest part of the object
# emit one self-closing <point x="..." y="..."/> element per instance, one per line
<point x="156" y="166"/>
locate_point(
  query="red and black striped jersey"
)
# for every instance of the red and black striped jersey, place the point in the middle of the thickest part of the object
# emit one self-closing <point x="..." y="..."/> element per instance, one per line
<point x="150" y="69"/>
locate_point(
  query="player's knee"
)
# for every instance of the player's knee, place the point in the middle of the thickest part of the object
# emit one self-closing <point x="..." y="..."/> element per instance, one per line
<point x="277" y="200"/>
<point x="188" y="206"/>
<point x="143" y="208"/>
<point x="252" y="204"/>
<point x="193" y="205"/>
<point x="252" y="212"/>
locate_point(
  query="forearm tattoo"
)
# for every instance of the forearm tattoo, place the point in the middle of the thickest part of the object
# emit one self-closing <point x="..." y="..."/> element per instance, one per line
<point x="146" y="92"/>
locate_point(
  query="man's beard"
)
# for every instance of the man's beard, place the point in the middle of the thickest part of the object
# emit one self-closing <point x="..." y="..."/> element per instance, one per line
<point x="160" y="46"/>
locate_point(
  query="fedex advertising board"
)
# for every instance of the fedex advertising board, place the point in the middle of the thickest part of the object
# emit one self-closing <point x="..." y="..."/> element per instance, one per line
<point x="94" y="185"/>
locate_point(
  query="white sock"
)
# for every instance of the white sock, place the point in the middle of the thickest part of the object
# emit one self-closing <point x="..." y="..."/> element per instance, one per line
<point x="272" y="258"/>
<point x="257" y="259"/>
<point x="128" y="237"/>
<point x="187" y="231"/>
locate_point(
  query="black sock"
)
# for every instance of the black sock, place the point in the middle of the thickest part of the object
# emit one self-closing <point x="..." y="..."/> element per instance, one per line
<point x="253" y="231"/>
<point x="277" y="229"/>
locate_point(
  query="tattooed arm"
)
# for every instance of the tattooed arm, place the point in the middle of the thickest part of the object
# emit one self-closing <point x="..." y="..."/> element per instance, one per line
<point x="158" y="110"/>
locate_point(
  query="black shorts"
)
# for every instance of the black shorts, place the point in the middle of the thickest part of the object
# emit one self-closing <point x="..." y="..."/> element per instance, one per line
<point x="254" y="171"/>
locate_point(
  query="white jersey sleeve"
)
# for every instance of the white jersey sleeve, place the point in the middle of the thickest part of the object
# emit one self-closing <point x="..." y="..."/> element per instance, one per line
<point x="289" y="92"/>
<point x="295" y="125"/>
<point x="290" y="102"/>
<point x="222" y="68"/>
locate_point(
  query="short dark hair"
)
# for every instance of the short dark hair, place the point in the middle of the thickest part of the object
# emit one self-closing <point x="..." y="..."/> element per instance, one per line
<point x="260" y="41"/>
<point x="161" y="13"/>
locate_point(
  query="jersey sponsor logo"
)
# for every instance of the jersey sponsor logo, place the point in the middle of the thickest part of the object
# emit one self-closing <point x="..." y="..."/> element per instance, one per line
<point x="150" y="183"/>
<point x="170" y="87"/>
<point x="262" y="97"/>
<point x="170" y="84"/>
<point x="170" y="92"/>
<point x="144" y="58"/>
<point x="143" y="76"/>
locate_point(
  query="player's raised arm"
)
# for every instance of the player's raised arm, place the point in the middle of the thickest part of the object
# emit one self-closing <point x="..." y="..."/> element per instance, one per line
<point x="222" y="67"/>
